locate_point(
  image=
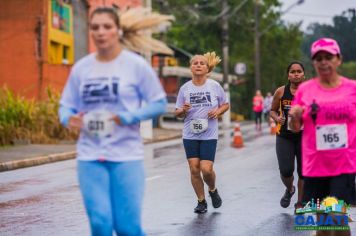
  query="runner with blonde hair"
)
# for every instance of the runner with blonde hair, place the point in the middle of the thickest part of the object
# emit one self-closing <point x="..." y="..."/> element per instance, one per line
<point x="200" y="102"/>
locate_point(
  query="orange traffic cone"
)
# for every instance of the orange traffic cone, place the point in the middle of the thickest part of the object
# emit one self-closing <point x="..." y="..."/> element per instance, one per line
<point x="237" y="140"/>
<point x="273" y="127"/>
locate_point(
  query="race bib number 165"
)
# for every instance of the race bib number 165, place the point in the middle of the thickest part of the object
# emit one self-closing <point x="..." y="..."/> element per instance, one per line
<point x="329" y="137"/>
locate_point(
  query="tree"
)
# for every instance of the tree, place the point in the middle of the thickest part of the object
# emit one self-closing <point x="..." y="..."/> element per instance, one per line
<point x="197" y="30"/>
<point x="346" y="22"/>
<point x="343" y="30"/>
<point x="348" y="69"/>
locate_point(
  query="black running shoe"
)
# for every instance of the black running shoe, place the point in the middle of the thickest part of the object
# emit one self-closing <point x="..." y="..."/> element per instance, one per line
<point x="202" y="207"/>
<point x="215" y="198"/>
<point x="285" y="200"/>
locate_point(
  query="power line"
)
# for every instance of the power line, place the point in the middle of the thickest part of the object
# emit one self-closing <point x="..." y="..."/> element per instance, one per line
<point x="310" y="15"/>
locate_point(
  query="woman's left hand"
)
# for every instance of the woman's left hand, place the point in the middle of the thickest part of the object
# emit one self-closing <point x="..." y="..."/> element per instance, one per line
<point x="116" y="119"/>
<point x="213" y="114"/>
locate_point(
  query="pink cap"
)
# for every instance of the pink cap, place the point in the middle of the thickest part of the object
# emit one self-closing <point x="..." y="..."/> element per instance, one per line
<point x="325" y="44"/>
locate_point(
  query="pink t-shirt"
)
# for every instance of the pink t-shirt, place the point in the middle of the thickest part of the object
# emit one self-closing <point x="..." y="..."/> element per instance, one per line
<point x="257" y="103"/>
<point x="329" y="136"/>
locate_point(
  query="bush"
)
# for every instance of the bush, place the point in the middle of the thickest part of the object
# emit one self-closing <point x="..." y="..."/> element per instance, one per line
<point x="36" y="121"/>
<point x="237" y="117"/>
<point x="348" y="69"/>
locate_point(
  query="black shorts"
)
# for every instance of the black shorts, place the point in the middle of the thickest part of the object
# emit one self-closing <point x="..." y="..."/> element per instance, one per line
<point x="342" y="187"/>
<point x="287" y="151"/>
<point x="258" y="115"/>
<point x="203" y="149"/>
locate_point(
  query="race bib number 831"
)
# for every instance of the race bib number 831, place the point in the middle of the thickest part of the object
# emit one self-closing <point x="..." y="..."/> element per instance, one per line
<point x="330" y="137"/>
<point x="99" y="124"/>
<point x="96" y="125"/>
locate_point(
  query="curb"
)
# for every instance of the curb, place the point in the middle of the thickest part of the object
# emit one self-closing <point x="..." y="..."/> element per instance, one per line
<point x="161" y="139"/>
<point x="34" y="161"/>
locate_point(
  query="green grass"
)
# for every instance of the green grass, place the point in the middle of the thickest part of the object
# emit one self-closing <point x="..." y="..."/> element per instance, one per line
<point x="37" y="121"/>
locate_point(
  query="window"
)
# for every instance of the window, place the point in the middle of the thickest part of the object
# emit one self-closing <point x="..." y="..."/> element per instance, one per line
<point x="55" y="53"/>
<point x="59" y="53"/>
<point x="65" y="55"/>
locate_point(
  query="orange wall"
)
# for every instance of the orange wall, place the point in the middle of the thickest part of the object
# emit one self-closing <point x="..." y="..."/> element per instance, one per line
<point x="18" y="62"/>
<point x="55" y="76"/>
<point x="122" y="4"/>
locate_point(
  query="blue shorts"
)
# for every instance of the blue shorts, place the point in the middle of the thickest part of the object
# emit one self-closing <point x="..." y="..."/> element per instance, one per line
<point x="203" y="149"/>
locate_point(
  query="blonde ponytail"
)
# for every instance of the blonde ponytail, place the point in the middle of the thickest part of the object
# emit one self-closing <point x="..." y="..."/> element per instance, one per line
<point x="212" y="59"/>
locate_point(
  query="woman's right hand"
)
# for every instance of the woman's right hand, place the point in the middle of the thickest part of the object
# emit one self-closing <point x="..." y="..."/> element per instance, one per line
<point x="296" y="112"/>
<point x="295" y="115"/>
<point x="281" y="120"/>
<point x="182" y="112"/>
<point x="186" y="107"/>
<point x="75" y="122"/>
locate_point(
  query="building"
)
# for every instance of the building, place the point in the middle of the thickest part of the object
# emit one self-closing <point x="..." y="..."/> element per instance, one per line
<point x="41" y="39"/>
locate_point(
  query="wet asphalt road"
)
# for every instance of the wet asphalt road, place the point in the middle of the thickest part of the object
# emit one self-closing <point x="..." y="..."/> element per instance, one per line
<point x="45" y="200"/>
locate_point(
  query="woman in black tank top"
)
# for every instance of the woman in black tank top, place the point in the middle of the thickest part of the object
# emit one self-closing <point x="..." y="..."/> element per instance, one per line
<point x="285" y="104"/>
<point x="288" y="144"/>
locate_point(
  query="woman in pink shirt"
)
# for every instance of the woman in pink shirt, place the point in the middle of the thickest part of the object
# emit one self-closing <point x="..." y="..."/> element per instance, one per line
<point x="326" y="106"/>
<point x="257" y="106"/>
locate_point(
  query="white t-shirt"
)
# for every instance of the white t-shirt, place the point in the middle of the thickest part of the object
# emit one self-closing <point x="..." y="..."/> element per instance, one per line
<point x="267" y="104"/>
<point x="119" y="85"/>
<point x="203" y="99"/>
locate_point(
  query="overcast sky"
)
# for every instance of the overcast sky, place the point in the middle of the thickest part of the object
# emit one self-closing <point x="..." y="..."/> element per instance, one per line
<point x="321" y="11"/>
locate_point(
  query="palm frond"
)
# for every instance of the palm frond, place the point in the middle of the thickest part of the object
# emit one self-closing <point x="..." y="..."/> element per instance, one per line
<point x="137" y="24"/>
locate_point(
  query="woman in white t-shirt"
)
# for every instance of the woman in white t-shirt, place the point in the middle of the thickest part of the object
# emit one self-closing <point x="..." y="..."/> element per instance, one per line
<point x="200" y="101"/>
<point x="102" y="98"/>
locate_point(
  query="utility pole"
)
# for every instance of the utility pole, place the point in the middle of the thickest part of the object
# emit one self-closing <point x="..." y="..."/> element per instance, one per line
<point x="146" y="127"/>
<point x="257" y="48"/>
<point x="225" y="58"/>
<point x="258" y="35"/>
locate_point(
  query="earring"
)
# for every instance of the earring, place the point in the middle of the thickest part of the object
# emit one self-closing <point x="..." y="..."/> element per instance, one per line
<point x="120" y="32"/>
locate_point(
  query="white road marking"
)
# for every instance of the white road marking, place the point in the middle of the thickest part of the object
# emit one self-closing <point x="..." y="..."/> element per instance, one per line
<point x="154" y="177"/>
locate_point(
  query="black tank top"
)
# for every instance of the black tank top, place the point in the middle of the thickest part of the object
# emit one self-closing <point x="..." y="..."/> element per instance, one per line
<point x="285" y="106"/>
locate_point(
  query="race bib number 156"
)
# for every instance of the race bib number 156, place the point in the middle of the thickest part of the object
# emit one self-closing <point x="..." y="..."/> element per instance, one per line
<point x="198" y="126"/>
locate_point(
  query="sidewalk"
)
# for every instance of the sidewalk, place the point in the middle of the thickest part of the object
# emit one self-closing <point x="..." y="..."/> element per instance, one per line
<point x="22" y="156"/>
